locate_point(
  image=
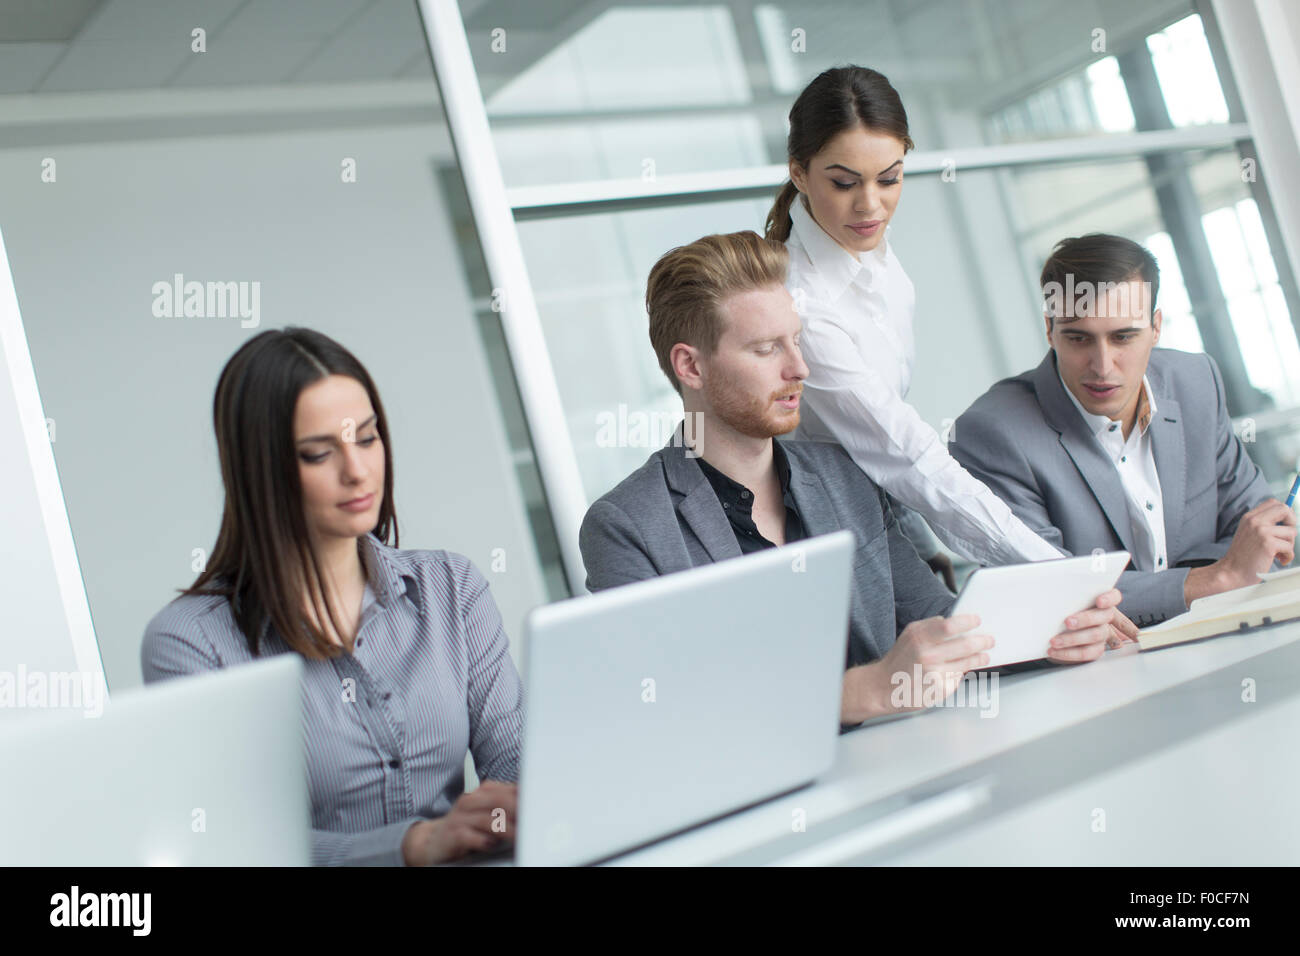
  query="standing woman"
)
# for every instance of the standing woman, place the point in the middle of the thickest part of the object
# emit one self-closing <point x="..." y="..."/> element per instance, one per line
<point x="406" y="661"/>
<point x="848" y="134"/>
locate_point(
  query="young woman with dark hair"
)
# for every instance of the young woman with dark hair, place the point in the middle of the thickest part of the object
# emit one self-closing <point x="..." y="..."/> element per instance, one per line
<point x="848" y="136"/>
<point x="406" y="662"/>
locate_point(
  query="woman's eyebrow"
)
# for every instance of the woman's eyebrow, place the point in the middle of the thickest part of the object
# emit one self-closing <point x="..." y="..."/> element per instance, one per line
<point x="368" y="421"/>
<point x="896" y="162"/>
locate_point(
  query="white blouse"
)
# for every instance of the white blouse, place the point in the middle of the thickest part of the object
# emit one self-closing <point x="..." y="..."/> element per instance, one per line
<point x="858" y="344"/>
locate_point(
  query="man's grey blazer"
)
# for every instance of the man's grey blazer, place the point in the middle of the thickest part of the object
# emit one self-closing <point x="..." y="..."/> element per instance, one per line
<point x="665" y="517"/>
<point x="1025" y="440"/>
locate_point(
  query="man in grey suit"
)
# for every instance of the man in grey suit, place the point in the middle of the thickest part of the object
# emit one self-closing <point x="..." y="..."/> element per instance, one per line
<point x="727" y="336"/>
<point x="1112" y="444"/>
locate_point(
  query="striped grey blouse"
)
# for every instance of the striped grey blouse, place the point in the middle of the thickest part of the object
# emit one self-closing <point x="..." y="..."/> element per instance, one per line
<point x="387" y="726"/>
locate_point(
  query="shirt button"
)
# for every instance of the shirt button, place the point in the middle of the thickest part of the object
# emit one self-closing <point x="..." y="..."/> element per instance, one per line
<point x="744" y="495"/>
<point x="726" y="507"/>
<point x="359" y="640"/>
<point x="1114" y="426"/>
<point x="1161" y="561"/>
<point x="1150" y="506"/>
<point x="394" y="763"/>
<point x="1123" y="458"/>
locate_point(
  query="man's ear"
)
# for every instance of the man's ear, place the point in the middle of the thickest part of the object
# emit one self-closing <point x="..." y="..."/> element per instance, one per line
<point x="1047" y="329"/>
<point x="685" y="361"/>
<point x="1156" y="320"/>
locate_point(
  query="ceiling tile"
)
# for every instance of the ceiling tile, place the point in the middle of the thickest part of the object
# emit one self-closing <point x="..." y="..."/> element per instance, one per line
<point x="375" y="45"/>
<point x="37" y="20"/>
<point x="23" y="64"/>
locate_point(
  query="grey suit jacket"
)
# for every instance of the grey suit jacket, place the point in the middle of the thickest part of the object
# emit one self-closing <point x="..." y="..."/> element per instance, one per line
<point x="1025" y="440"/>
<point x="665" y="517"/>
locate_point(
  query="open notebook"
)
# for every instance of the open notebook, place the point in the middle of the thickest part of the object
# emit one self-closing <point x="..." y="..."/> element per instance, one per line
<point x="1275" y="598"/>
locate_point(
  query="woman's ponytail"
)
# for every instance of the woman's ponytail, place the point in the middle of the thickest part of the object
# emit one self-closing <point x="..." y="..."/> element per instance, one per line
<point x="778" y="220"/>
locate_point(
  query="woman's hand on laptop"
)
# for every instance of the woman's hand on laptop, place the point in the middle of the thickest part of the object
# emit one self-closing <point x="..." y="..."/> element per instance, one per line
<point x="923" y="667"/>
<point x="1088" y="633"/>
<point x="480" y="820"/>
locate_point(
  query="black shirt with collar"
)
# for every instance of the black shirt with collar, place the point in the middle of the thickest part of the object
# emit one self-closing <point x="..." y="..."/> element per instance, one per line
<point x="738" y="503"/>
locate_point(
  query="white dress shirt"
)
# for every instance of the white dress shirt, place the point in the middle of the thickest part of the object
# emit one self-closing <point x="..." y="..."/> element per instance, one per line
<point x="857" y="341"/>
<point x="1135" y="461"/>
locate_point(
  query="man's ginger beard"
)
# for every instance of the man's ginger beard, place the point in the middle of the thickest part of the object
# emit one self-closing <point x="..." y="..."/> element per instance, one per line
<point x="749" y="414"/>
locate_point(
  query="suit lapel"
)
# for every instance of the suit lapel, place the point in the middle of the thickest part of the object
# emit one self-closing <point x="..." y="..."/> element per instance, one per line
<point x="698" y="505"/>
<point x="701" y="511"/>
<point x="1097" y="470"/>
<point x="810" y="497"/>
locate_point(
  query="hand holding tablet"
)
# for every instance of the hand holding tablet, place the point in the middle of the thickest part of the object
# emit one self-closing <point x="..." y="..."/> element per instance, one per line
<point x="1023" y="606"/>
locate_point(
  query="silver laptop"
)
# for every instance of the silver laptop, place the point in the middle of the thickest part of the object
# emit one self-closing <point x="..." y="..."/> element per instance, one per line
<point x="207" y="771"/>
<point x="662" y="704"/>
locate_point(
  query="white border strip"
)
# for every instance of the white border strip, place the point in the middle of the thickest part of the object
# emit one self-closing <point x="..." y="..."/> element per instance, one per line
<point x="54" y="513"/>
<point x="476" y="153"/>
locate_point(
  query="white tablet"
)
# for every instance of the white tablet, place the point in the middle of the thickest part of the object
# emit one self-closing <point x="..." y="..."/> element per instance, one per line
<point x="1023" y="606"/>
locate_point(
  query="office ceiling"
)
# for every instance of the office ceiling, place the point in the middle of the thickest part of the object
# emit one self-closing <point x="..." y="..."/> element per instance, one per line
<point x="51" y="46"/>
<point x="54" y="46"/>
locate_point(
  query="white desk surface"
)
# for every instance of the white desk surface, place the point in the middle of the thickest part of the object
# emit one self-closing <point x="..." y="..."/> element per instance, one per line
<point x="893" y="759"/>
<point x="1224" y="798"/>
